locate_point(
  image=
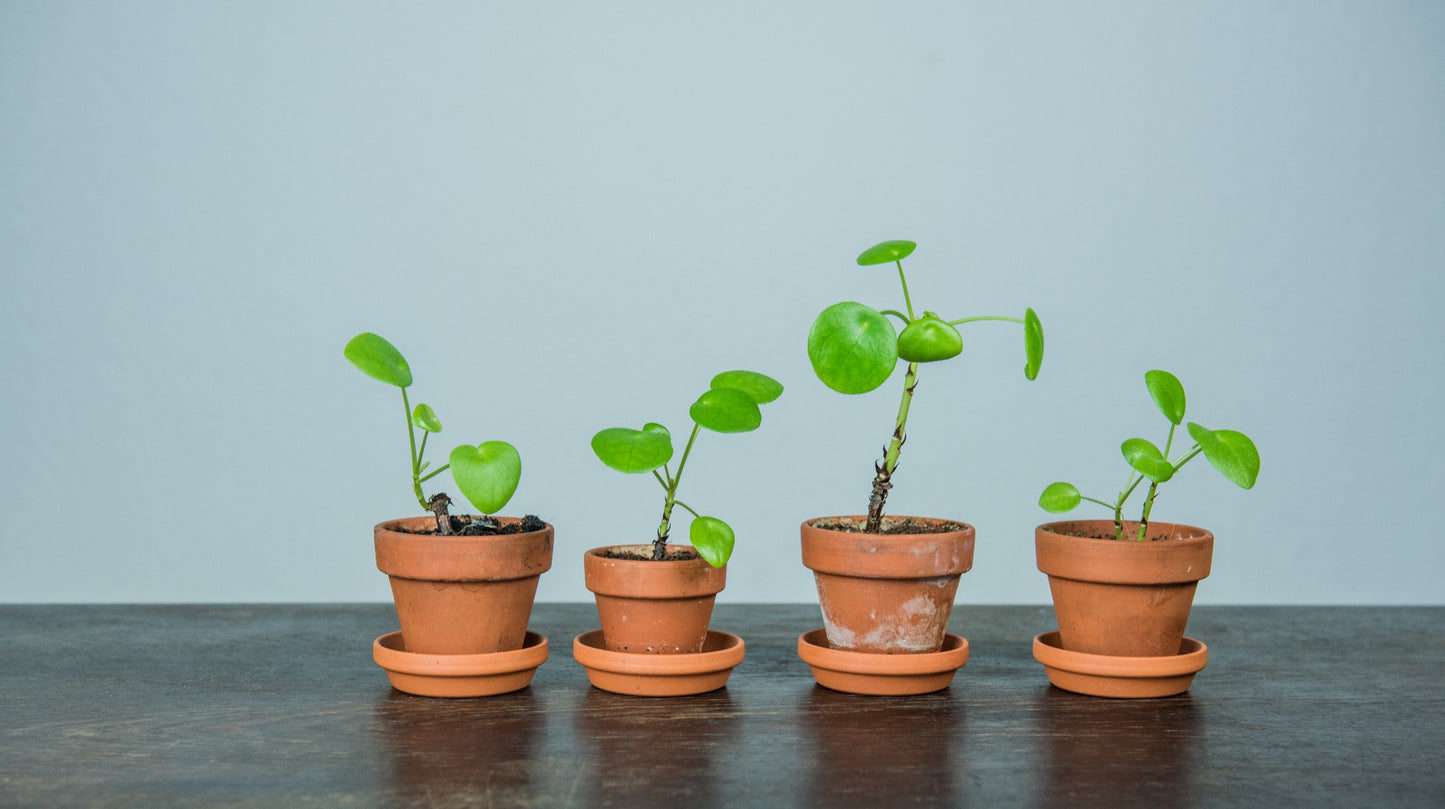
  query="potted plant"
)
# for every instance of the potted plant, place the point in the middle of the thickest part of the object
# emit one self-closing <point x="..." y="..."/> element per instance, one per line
<point x="463" y="585"/>
<point x="886" y="583"/>
<point x="655" y="599"/>
<point x="1122" y="589"/>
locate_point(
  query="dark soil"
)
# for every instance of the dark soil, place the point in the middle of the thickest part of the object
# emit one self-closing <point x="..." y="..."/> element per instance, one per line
<point x="891" y="525"/>
<point x="1131" y="532"/>
<point x="672" y="555"/>
<point x="468" y="526"/>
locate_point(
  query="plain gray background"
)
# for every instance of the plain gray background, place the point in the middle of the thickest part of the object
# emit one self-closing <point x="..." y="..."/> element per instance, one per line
<point x="569" y="216"/>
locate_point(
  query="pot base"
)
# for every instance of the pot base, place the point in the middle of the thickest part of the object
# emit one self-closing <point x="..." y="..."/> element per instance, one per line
<point x="465" y="675"/>
<point x="882" y="674"/>
<point x="1120" y="677"/>
<point x="659" y="675"/>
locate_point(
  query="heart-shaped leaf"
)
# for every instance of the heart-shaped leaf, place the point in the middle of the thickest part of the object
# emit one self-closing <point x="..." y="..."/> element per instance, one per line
<point x="378" y="359"/>
<point x="634" y="451"/>
<point x="1033" y="344"/>
<point x="761" y="387"/>
<point x="1060" y="497"/>
<point x="425" y="418"/>
<point x="1147" y="460"/>
<point x="487" y="474"/>
<point x="929" y="339"/>
<point x="853" y="347"/>
<point x="1168" y="394"/>
<point x="1230" y="452"/>
<point x="726" y="410"/>
<point x="887" y="252"/>
<point x="713" y="540"/>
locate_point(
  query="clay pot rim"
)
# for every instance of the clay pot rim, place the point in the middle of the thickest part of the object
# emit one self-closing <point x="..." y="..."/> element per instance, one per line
<point x="664" y="579"/>
<point x="453" y="558"/>
<point x="1195" y="533"/>
<point x="721" y="651"/>
<point x="861" y="555"/>
<point x="813" y="648"/>
<point x="389" y="653"/>
<point x="1123" y="561"/>
<point x="1193" y="656"/>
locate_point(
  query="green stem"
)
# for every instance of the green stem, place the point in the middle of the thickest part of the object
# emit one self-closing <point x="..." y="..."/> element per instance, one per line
<point x="896" y="314"/>
<point x="659" y="545"/>
<point x="1148" y="507"/>
<point x="415" y="460"/>
<point x="1100" y="502"/>
<point x="906" y="300"/>
<point x="440" y="469"/>
<point x="1187" y="458"/>
<point x="883" y="481"/>
<point x="963" y="320"/>
<point x="686" y="506"/>
<point x="1119" y="506"/>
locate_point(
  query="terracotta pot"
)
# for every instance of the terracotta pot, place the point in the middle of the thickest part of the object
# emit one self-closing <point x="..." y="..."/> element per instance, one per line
<point x="462" y="595"/>
<point x="652" y="607"/>
<point x="886" y="593"/>
<point x="1122" y="597"/>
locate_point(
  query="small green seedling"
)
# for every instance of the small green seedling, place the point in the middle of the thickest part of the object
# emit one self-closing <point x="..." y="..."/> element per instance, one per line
<point x="1228" y="451"/>
<point x="730" y="405"/>
<point x="854" y="349"/>
<point x="487" y="473"/>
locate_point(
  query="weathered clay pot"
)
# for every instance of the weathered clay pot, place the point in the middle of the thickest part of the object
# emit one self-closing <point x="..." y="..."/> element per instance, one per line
<point x="649" y="607"/>
<point x="460" y="595"/>
<point x="1122" y="597"/>
<point x="887" y="593"/>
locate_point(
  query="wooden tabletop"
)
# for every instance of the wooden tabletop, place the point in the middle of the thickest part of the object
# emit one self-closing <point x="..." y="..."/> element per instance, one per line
<point x="281" y="705"/>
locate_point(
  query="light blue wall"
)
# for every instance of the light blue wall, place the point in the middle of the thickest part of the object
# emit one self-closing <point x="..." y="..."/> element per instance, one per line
<point x="570" y="215"/>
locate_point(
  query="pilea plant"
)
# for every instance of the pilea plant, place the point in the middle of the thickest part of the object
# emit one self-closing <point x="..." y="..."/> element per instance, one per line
<point x="487" y="474"/>
<point x="854" y="349"/>
<point x="1230" y="452"/>
<point x="730" y="405"/>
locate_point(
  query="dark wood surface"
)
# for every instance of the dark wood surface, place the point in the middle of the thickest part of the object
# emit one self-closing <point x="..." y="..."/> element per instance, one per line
<point x="157" y="706"/>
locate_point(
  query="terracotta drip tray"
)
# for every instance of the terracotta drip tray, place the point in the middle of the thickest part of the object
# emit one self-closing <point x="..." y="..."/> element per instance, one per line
<point x="1120" y="677"/>
<point x="659" y="675"/>
<point x="470" y="675"/>
<point x="882" y="674"/>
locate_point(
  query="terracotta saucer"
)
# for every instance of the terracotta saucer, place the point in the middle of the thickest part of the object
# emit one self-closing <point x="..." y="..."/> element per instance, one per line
<point x="478" y="675"/>
<point x="1123" y="677"/>
<point x="881" y="674"/>
<point x="656" y="675"/>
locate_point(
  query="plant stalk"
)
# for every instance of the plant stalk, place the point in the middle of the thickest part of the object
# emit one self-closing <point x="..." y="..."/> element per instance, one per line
<point x="415" y="459"/>
<point x="659" y="545"/>
<point x="883" y="481"/>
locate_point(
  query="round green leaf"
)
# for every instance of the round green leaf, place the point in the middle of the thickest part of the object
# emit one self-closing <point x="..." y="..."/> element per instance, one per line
<point x="634" y="451"/>
<point x="726" y="410"/>
<point x="425" y="418"/>
<point x="1229" y="452"/>
<point x="853" y="347"/>
<point x="378" y="359"/>
<point x="1033" y="344"/>
<point x="761" y="387"/>
<point x="1147" y="460"/>
<point x="487" y="474"/>
<point x="887" y="252"/>
<point x="713" y="540"/>
<point x="1168" y="394"/>
<point x="1060" y="497"/>
<point x="929" y="339"/>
